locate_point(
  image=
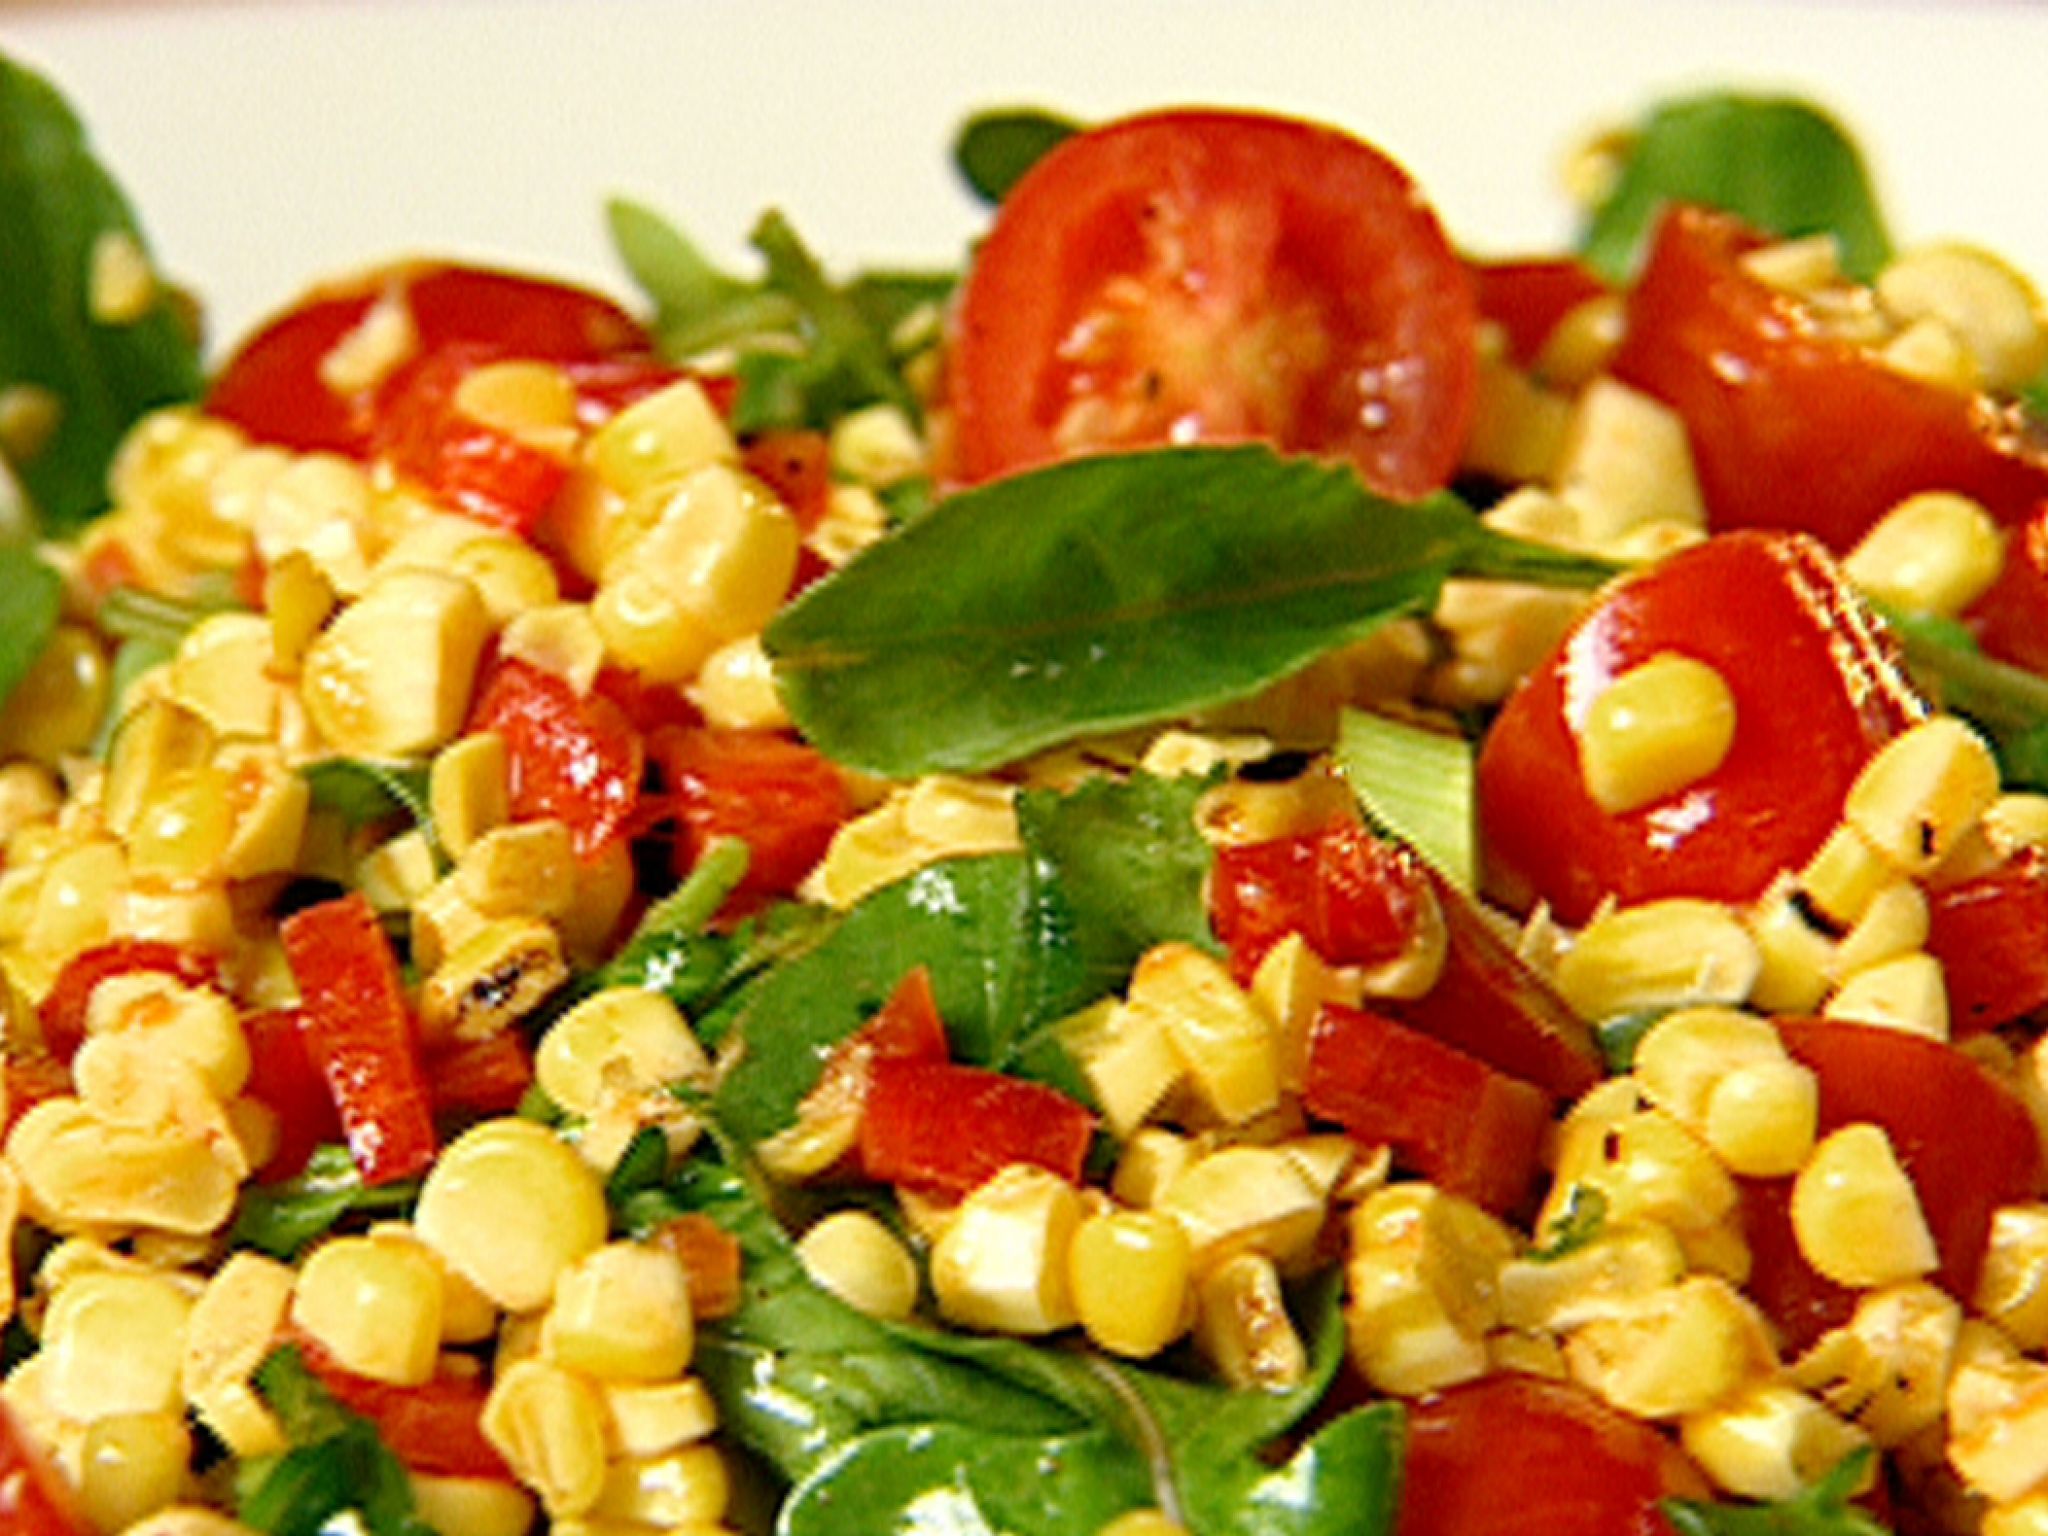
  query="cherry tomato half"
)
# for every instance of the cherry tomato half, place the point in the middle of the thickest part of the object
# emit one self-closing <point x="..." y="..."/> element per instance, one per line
<point x="1215" y="276"/>
<point x="1527" y="298"/>
<point x="35" y="1500"/>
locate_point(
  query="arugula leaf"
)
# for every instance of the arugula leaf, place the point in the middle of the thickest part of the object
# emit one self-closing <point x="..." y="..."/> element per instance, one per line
<point x="363" y="792"/>
<point x="1822" y="1510"/>
<point x="281" y="1219"/>
<point x="338" y="1463"/>
<point x="31" y="597"/>
<point x="1112" y="592"/>
<point x="1583" y="1219"/>
<point x="1782" y="164"/>
<point x="1415" y="781"/>
<point x="2008" y="704"/>
<point x="993" y="150"/>
<point x="56" y="203"/>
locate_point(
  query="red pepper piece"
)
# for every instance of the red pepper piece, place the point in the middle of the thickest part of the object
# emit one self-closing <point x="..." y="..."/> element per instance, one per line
<point x="480" y="1077"/>
<point x="710" y="1256"/>
<point x="500" y="480"/>
<point x="435" y="1428"/>
<point x="1354" y="899"/>
<point x="35" y="1500"/>
<point x="797" y="467"/>
<point x="939" y="1126"/>
<point x="1991" y="936"/>
<point x="781" y="797"/>
<point x="284" y="1076"/>
<point x="62" y="1013"/>
<point x="575" y="758"/>
<point x="31" y="1077"/>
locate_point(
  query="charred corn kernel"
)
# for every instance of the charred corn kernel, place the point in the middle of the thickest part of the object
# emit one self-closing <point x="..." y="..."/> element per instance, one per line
<point x="509" y="1206"/>
<point x="673" y="1490"/>
<point x="1856" y="1214"/>
<point x="1907" y="993"/>
<point x="376" y="1307"/>
<point x="114" y="1343"/>
<point x="55" y="710"/>
<point x="470" y="1506"/>
<point x="222" y="672"/>
<point x="852" y="1255"/>
<point x="660" y="439"/>
<point x="1991" y="307"/>
<point x="1922" y="791"/>
<point x="1648" y="1167"/>
<point x="530" y="402"/>
<point x="1242" y="1326"/>
<point x="2017" y="820"/>
<point x="1240" y="811"/>
<point x="1769" y="1441"/>
<point x="1422" y="1287"/>
<point x="398" y="872"/>
<point x="1129" y="1272"/>
<point x="621" y="1033"/>
<point x="1661" y="954"/>
<point x="2012" y="1288"/>
<point x="157" y="741"/>
<point x="1602" y="1278"/>
<point x="548" y="1424"/>
<point x="1894" y="923"/>
<point x="526" y="869"/>
<point x="1684" y="1054"/>
<point x="1935" y="552"/>
<point x="1245" y="1198"/>
<point x="1843" y="876"/>
<point x="299" y="599"/>
<point x="735" y="688"/>
<point x="183" y="834"/>
<point x="121" y="285"/>
<point x="622" y="1313"/>
<point x="2005" y="1457"/>
<point x="391" y="675"/>
<point x="77" y="891"/>
<point x="1761" y="1118"/>
<point x="1291" y="986"/>
<point x="229" y="1331"/>
<point x="132" y="1465"/>
<point x="1677" y="1351"/>
<point x="1001" y="1265"/>
<point x="1654" y="730"/>
<point x="1128" y="1059"/>
<point x="877" y="446"/>
<point x="195" y="1025"/>
<point x="441" y="920"/>
<point x="1152" y="1159"/>
<point x="497" y="975"/>
<point x="468" y="790"/>
<point x="1144" y="1522"/>
<point x="29" y="417"/>
<point x="645" y="1418"/>
<point x="268" y="803"/>
<point x="1224" y="1041"/>
<point x="1626" y="461"/>
<point x="1519" y="425"/>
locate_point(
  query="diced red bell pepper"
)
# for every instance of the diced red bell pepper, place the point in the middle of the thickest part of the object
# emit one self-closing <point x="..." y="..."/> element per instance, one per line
<point x="1527" y="298"/>
<point x="435" y="1428"/>
<point x="907" y="1027"/>
<point x="284" y="1077"/>
<point x="480" y="1077"/>
<point x="1991" y="936"/>
<point x="62" y="1013"/>
<point x="939" y="1126"/>
<point x="710" y="1256"/>
<point x="1354" y="899"/>
<point x="1448" y="1116"/>
<point x="35" y="1500"/>
<point x="797" y="467"/>
<point x="2010" y="621"/>
<point x="781" y="797"/>
<point x="574" y="758"/>
<point x="360" y="1033"/>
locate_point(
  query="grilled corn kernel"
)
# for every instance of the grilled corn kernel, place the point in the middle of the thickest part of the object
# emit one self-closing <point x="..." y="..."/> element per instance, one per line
<point x="1129" y="1272"/>
<point x="877" y="446"/>
<point x="620" y="1034"/>
<point x="735" y="688"/>
<point x="1291" y="986"/>
<point x="1422" y="1288"/>
<point x="184" y="833"/>
<point x="2017" y="820"/>
<point x="1647" y="1165"/>
<point x="1894" y="923"/>
<point x="230" y="1330"/>
<point x="1761" y="1118"/>
<point x="1683" y="1055"/>
<point x="1224" y="1041"/>
<point x="852" y="1255"/>
<point x="548" y="1424"/>
<point x="470" y="1506"/>
<point x="1935" y="552"/>
<point x="1654" y="730"/>
<point x="115" y="1342"/>
<point x="2006" y="1456"/>
<point x="1601" y="1278"/>
<point x="644" y="1418"/>
<point x="526" y="869"/>
<point x="194" y="1025"/>
<point x="2012" y="1289"/>
<point x="1152" y="1159"/>
<point x="1769" y="1441"/>
<point x="1856" y="1214"/>
<point x="1907" y="993"/>
<point x="622" y="1313"/>
<point x="375" y="1306"/>
<point x="1001" y="1264"/>
<point x="1242" y="1326"/>
<point x="497" y="975"/>
<point x="1626" y="462"/>
<point x="1991" y="307"/>
<point x="528" y="401"/>
<point x="467" y="790"/>
<point x="1245" y="1199"/>
<point x="510" y="1206"/>
<point x="1661" y="954"/>
<point x="677" y="1490"/>
<point x="55" y="709"/>
<point x="391" y="675"/>
<point x="441" y="921"/>
<point x="1128" y="1059"/>
<point x="1676" y="1352"/>
<point x="132" y="1465"/>
<point x="1843" y="876"/>
<point x="658" y="440"/>
<point x="398" y="873"/>
<point x="1922" y="791"/>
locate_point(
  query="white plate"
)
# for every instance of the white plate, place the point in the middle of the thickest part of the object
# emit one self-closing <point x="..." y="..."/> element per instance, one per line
<point x="270" y="145"/>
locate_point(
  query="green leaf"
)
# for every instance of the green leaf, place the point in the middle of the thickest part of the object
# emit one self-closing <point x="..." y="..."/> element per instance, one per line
<point x="31" y="597"/>
<point x="1583" y="1218"/>
<point x="364" y="793"/>
<point x="337" y="1463"/>
<point x="1414" y="780"/>
<point x="131" y="613"/>
<point x="1822" y="1510"/>
<point x="281" y="1219"/>
<point x="994" y="149"/>
<point x="702" y="972"/>
<point x="2008" y="704"/>
<point x="1619" y="1034"/>
<point x="56" y="203"/>
<point x="1779" y="163"/>
<point x="1113" y="592"/>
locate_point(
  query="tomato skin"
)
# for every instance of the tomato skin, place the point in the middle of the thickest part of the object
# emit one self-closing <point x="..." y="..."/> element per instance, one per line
<point x="782" y="798"/>
<point x="284" y="1076"/>
<point x="1512" y="1454"/>
<point x="935" y="1125"/>
<point x="1354" y="899"/>
<point x="61" y="1014"/>
<point x="435" y="1428"/>
<point x="1991" y="936"/>
<point x="1792" y="429"/>
<point x="1817" y="688"/>
<point x="1528" y="298"/>
<point x="574" y="758"/>
<point x="481" y="472"/>
<point x="35" y="1500"/>
<point x="1215" y="276"/>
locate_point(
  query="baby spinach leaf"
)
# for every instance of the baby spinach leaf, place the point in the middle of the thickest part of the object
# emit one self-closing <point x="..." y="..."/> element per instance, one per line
<point x="1822" y="1510"/>
<point x="337" y="1463"/>
<point x="1112" y="592"/>
<point x="56" y="203"/>
<point x="363" y="792"/>
<point x="993" y="150"/>
<point x="282" y="1218"/>
<point x="30" y="600"/>
<point x="2008" y="704"/>
<point x="1782" y="164"/>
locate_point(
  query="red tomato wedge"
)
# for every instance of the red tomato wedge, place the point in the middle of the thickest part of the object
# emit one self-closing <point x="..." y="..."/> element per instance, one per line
<point x="35" y="1500"/>
<point x="1817" y="688"/>
<point x="360" y="1033"/>
<point x="573" y="757"/>
<point x="938" y="1126"/>
<point x="1791" y="428"/>
<point x="1527" y="299"/>
<point x="1991" y="936"/>
<point x="782" y="798"/>
<point x="1213" y="277"/>
<point x="435" y="1428"/>
<point x="61" y="1014"/>
<point x="1512" y="1455"/>
<point x="2011" y="620"/>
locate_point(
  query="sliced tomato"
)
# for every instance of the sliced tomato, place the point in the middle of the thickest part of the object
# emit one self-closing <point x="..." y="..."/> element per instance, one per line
<point x="361" y="1035"/>
<point x="784" y="799"/>
<point x="1817" y="688"/>
<point x="576" y="758"/>
<point x="272" y="387"/>
<point x="1991" y="936"/>
<point x="435" y="1428"/>
<point x="710" y="1256"/>
<point x="35" y="1500"/>
<point x="1448" y="1116"/>
<point x="1527" y="299"/>
<point x="1515" y="1454"/>
<point x="284" y="1077"/>
<point x="1791" y="428"/>
<point x="480" y="1077"/>
<point x="1354" y="899"/>
<point x="62" y="1013"/>
<point x="937" y="1126"/>
<point x="1211" y="277"/>
<point x="2010" y="621"/>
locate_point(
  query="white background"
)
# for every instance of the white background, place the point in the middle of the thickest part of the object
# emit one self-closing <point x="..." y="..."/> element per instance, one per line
<point x="269" y="145"/>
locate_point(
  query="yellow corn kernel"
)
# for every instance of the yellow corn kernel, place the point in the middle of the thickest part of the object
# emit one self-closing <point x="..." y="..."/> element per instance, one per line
<point x="115" y="1342"/>
<point x="1245" y="1199"/>
<point x="1143" y="1522"/>
<point x="1928" y="350"/>
<point x="1647" y="1165"/>
<point x="622" y="1313"/>
<point x="1935" y="552"/>
<point x="646" y="1418"/>
<point x="77" y="891"/>
<point x="229" y="1332"/>
<point x="1805" y="265"/>
<point x="1922" y="791"/>
<point x="2012" y="1289"/>
<point x="1519" y="425"/>
<point x="1894" y="923"/>
<point x="525" y="869"/>
<point x="854" y="518"/>
<point x="1856" y="1214"/>
<point x="735" y="688"/>
<point x="55" y="710"/>
<point x="1240" y="811"/>
<point x="645" y="628"/>
<point x="1654" y="730"/>
<point x="675" y="1490"/>
<point x="1991" y="307"/>
<point x="1769" y="1441"/>
<point x="157" y="741"/>
<point x="1223" y="1040"/>
<point x="29" y="417"/>
<point x="121" y="286"/>
<point x="509" y="1206"/>
<point x="195" y="1025"/>
<point x="1843" y="876"/>
<point x="299" y="599"/>
<point x="467" y="1315"/>
<point x="268" y="804"/>
<point x="169" y="458"/>
<point x="877" y="446"/>
<point x="29" y="796"/>
<point x="1580" y="344"/>
<point x="1986" y="1374"/>
<point x="198" y="916"/>
<point x="1625" y="462"/>
<point x="558" y="638"/>
<point x="529" y="401"/>
<point x="1152" y="1159"/>
<point x="620" y="1035"/>
<point x="1662" y="954"/>
<point x="1602" y="1278"/>
<point x="1001" y="1264"/>
<point x="375" y="1306"/>
<point x="600" y="890"/>
<point x="1676" y="1352"/>
<point x="441" y="920"/>
<point x="497" y="975"/>
<point x="132" y="1465"/>
<point x="548" y="1424"/>
<point x="399" y="872"/>
<point x="722" y="551"/>
<point x="1907" y="993"/>
<point x="467" y="790"/>
<point x="1291" y="986"/>
<point x="658" y="440"/>
<point x="223" y="672"/>
<point x="859" y="1260"/>
<point x="391" y="675"/>
<point x="319" y="503"/>
<point x="470" y="1506"/>
<point x="374" y="348"/>
<point x="1128" y="1059"/>
<point x="2025" y="1516"/>
<point x="1242" y="1326"/>
<point x="1422" y="1288"/>
<point x="2006" y="1456"/>
<point x="1684" y="1054"/>
<point x="2017" y="820"/>
<point x="1761" y="1118"/>
<point x="1129" y="1272"/>
<point x="184" y="833"/>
